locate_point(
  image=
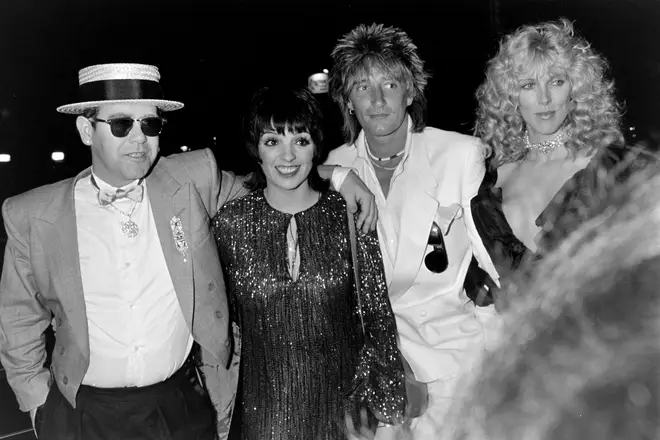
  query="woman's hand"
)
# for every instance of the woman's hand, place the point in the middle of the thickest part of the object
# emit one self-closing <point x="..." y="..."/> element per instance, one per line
<point x="361" y="431"/>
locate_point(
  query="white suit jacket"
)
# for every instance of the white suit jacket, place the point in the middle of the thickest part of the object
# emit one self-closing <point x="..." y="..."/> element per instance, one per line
<point x="441" y="174"/>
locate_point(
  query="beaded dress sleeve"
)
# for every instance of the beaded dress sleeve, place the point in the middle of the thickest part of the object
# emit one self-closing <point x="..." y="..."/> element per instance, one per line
<point x="379" y="378"/>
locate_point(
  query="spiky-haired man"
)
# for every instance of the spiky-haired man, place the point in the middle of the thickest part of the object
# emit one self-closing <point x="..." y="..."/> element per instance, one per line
<point x="423" y="179"/>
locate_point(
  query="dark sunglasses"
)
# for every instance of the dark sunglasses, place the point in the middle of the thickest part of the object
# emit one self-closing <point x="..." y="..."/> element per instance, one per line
<point x="120" y="127"/>
<point x="436" y="261"/>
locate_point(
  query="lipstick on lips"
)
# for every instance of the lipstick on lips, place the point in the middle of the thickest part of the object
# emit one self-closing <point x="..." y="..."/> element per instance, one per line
<point x="545" y="115"/>
<point x="287" y="171"/>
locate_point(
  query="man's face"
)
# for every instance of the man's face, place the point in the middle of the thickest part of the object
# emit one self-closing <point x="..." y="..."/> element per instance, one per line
<point x="120" y="160"/>
<point x="380" y="103"/>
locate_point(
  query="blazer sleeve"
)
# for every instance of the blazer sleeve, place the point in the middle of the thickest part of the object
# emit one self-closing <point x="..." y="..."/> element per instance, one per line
<point x="380" y="370"/>
<point x="218" y="186"/>
<point x="473" y="174"/>
<point x="23" y="318"/>
<point x="233" y="187"/>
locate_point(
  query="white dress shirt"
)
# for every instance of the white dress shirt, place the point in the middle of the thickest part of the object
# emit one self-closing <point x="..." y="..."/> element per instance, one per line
<point x="137" y="333"/>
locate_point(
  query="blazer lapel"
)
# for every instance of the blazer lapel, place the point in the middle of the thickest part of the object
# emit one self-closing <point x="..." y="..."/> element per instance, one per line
<point x="415" y="224"/>
<point x="170" y="206"/>
<point x="61" y="245"/>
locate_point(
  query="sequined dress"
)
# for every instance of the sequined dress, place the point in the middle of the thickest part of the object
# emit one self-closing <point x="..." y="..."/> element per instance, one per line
<point x="304" y="358"/>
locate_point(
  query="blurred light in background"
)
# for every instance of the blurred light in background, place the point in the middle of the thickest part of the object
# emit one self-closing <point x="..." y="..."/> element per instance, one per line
<point x="318" y="82"/>
<point x="184" y="148"/>
<point x="5" y="157"/>
<point x="57" y="156"/>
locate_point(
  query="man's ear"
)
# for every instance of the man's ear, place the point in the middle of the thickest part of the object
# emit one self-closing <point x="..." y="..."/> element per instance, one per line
<point x="410" y="96"/>
<point x="85" y="129"/>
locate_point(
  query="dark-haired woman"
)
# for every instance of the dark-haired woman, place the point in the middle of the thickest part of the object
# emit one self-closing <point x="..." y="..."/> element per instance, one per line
<point x="313" y="350"/>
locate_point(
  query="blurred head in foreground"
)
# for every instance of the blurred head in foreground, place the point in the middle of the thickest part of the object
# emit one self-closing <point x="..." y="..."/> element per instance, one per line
<point x="580" y="357"/>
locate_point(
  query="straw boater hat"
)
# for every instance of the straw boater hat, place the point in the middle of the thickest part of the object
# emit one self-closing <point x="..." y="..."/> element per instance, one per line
<point x="117" y="83"/>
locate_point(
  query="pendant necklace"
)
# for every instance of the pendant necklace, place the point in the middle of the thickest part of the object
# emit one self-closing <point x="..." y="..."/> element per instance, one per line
<point x="129" y="228"/>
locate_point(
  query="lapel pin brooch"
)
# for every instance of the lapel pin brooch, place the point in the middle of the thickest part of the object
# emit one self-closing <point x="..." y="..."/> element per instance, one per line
<point x="179" y="237"/>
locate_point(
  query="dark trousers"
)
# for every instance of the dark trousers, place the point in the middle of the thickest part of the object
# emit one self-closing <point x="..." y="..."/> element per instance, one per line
<point x="176" y="409"/>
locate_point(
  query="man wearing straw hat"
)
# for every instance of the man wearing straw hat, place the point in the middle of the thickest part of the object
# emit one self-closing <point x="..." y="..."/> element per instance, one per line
<point x="121" y="260"/>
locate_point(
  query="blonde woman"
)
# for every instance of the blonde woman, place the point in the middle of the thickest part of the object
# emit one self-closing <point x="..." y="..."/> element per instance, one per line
<point x="548" y="113"/>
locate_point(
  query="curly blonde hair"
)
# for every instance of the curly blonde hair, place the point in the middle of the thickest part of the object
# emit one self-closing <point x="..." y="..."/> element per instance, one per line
<point x="593" y="121"/>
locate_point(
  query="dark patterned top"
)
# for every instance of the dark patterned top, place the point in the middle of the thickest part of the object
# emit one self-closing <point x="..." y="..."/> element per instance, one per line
<point x="305" y="361"/>
<point x="575" y="202"/>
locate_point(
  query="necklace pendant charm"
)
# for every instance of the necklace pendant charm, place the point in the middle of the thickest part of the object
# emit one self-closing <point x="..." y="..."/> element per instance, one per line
<point x="129" y="228"/>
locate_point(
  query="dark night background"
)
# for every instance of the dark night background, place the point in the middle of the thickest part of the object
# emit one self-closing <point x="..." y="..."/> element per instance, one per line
<point x="213" y="54"/>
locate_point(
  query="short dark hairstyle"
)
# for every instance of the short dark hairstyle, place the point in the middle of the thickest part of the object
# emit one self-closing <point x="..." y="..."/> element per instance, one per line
<point x="284" y="109"/>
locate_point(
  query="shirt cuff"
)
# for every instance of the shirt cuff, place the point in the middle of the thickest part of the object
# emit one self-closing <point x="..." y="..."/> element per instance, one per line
<point x="339" y="174"/>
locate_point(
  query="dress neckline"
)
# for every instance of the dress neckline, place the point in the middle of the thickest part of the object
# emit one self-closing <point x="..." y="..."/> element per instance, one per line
<point x="261" y="196"/>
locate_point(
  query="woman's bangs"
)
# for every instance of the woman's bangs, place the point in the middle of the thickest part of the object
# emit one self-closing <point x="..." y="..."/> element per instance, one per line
<point x="536" y="64"/>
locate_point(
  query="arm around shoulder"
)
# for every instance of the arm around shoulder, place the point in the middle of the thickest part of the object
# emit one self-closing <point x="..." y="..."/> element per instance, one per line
<point x="222" y="186"/>
<point x="474" y="168"/>
<point x="385" y="382"/>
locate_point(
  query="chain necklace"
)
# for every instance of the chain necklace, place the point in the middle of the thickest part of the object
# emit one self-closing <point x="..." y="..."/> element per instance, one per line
<point x="545" y="147"/>
<point x="375" y="160"/>
<point x="129" y="228"/>
<point x="381" y="159"/>
<point x="383" y="167"/>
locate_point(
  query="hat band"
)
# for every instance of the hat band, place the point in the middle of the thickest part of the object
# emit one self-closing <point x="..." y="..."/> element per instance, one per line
<point x="119" y="90"/>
